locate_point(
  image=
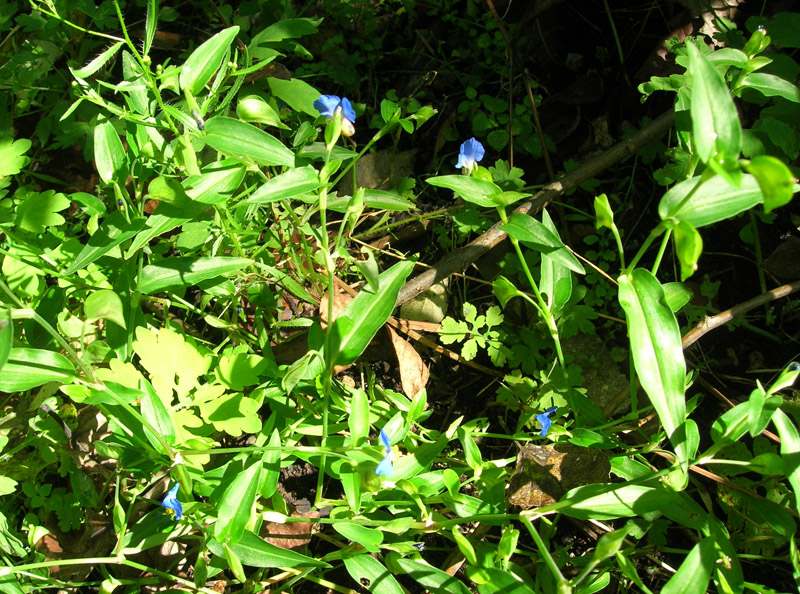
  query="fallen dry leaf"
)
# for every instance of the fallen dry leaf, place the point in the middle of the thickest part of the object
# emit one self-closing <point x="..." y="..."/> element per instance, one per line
<point x="340" y="301"/>
<point x="413" y="372"/>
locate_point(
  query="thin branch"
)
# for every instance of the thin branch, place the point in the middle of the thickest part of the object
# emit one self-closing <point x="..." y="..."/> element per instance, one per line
<point x="460" y="259"/>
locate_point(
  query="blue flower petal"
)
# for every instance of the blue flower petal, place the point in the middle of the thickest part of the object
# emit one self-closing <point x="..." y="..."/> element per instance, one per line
<point x="327" y="104"/>
<point x="471" y="153"/>
<point x="544" y="420"/>
<point x="171" y="502"/>
<point x="347" y="110"/>
<point x="385" y="467"/>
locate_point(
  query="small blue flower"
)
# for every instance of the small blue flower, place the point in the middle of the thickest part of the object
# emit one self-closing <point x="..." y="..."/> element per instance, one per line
<point x="328" y="105"/>
<point x="471" y="153"/>
<point x="172" y="504"/>
<point x="385" y="467"/>
<point x="544" y="420"/>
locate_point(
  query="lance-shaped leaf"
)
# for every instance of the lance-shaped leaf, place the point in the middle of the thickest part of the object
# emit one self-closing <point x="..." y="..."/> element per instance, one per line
<point x="365" y="314"/>
<point x="246" y="143"/>
<point x="236" y="504"/>
<point x="174" y="273"/>
<point x="109" y="155"/>
<point x="100" y="61"/>
<point x="205" y="61"/>
<point x="657" y="353"/>
<point x="715" y="122"/>
<point x="29" y="368"/>
<point x="710" y="202"/>
<point x="472" y="189"/>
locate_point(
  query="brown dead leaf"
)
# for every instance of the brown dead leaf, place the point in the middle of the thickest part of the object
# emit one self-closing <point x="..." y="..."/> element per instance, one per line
<point x="413" y="372"/>
<point x="340" y="301"/>
<point x="291" y="535"/>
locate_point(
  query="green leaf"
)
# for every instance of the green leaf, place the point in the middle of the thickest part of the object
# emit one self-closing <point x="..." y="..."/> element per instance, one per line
<point x="688" y="246"/>
<point x="504" y="290"/>
<point x="255" y="552"/>
<point x="495" y="581"/>
<point x="234" y="563"/>
<point x="410" y="466"/>
<point x="12" y="155"/>
<point x="603" y="214"/>
<point x="246" y="143"/>
<point x="167" y="190"/>
<point x="156" y="414"/>
<point x="239" y="369"/>
<point x="272" y="465"/>
<point x="104" y="305"/>
<point x="371" y="573"/>
<point x="770" y="85"/>
<point x="775" y="180"/>
<point x="170" y="274"/>
<point x="236" y="504"/>
<point x="294" y="182"/>
<point x="150" y="22"/>
<point x="30" y="368"/>
<point x="232" y="413"/>
<point x="608" y="501"/>
<point x="526" y="229"/>
<point x="358" y="420"/>
<point x="713" y="201"/>
<point x="508" y="198"/>
<point x="204" y="61"/>
<point x="100" y="61"/>
<point x="109" y="155"/>
<point x="695" y="572"/>
<point x="40" y="210"/>
<point x="716" y="130"/>
<point x="174" y="362"/>
<point x="213" y="186"/>
<point x="7" y="486"/>
<point x="114" y="230"/>
<point x="297" y="94"/>
<point x="379" y="199"/>
<point x="431" y="577"/>
<point x="790" y="450"/>
<point x="474" y="190"/>
<point x="254" y="108"/>
<point x="6" y="336"/>
<point x="677" y="295"/>
<point x="286" y="29"/>
<point x="657" y="353"/>
<point x="369" y="538"/>
<point x="556" y="278"/>
<point x="355" y="326"/>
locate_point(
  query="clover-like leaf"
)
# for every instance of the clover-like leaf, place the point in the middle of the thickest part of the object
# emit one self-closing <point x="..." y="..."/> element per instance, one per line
<point x="12" y="155"/>
<point x="174" y="363"/>
<point x="232" y="413"/>
<point x="40" y="210"/>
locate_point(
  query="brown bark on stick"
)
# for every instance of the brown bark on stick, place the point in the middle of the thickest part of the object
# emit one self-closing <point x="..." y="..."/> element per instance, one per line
<point x="460" y="259"/>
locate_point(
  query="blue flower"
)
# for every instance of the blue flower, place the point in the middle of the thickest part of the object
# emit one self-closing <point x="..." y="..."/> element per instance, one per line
<point x="328" y="105"/>
<point x="385" y="467"/>
<point x="544" y="420"/>
<point x="471" y="153"/>
<point x="172" y="504"/>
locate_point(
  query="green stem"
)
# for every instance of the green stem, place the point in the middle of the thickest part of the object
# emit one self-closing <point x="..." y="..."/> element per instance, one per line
<point x="25" y="313"/>
<point x="540" y="304"/>
<point x="100" y="561"/>
<point x="545" y="552"/>
<point x="661" y="250"/>
<point x="654" y="234"/>
<point x="418" y="218"/>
